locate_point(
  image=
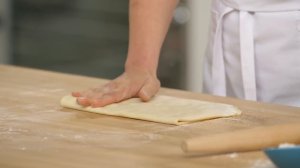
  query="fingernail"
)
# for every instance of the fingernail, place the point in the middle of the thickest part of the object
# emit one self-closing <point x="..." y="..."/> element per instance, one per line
<point x="145" y="96"/>
<point x="75" y="94"/>
<point x="82" y="101"/>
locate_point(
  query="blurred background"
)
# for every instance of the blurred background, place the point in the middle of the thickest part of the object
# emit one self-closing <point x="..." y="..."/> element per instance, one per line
<point x="90" y="37"/>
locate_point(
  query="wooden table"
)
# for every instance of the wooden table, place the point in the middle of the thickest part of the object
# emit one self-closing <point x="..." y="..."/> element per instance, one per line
<point x="36" y="132"/>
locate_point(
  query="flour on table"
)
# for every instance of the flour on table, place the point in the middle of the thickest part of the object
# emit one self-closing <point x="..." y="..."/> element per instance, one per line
<point x="232" y="155"/>
<point x="263" y="164"/>
<point x="286" y="145"/>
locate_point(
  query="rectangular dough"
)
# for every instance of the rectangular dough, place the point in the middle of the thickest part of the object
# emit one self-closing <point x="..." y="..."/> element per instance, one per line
<point x="163" y="109"/>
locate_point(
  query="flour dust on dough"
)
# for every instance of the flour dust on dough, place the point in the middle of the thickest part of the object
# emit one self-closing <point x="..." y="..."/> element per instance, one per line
<point x="163" y="109"/>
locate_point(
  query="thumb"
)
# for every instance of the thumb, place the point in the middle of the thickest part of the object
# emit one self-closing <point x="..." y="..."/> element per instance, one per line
<point x="149" y="89"/>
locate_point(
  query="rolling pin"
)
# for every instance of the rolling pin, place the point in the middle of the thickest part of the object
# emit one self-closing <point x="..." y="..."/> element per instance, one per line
<point x="243" y="140"/>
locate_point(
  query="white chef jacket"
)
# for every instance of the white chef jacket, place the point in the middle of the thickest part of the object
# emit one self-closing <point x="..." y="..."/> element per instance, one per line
<point x="254" y="51"/>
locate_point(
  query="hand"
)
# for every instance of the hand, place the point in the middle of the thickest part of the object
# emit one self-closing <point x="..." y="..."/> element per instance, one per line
<point x="134" y="83"/>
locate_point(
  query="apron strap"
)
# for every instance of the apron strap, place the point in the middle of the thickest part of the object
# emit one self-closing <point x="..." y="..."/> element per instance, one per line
<point x="218" y="66"/>
<point x="246" y="52"/>
<point x="247" y="55"/>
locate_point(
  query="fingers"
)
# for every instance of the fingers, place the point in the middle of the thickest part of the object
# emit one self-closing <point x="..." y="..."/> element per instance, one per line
<point x="100" y="101"/>
<point x="76" y="94"/>
<point x="124" y="87"/>
<point x="107" y="99"/>
<point x="101" y="96"/>
<point x="96" y="91"/>
<point x="149" y="90"/>
<point x="83" y="101"/>
<point x="87" y="93"/>
<point x="84" y="97"/>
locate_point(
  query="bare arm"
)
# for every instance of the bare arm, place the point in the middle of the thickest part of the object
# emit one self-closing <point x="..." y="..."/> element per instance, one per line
<point x="149" y="22"/>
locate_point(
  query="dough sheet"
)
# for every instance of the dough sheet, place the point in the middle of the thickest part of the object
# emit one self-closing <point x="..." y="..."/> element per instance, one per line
<point x="162" y="109"/>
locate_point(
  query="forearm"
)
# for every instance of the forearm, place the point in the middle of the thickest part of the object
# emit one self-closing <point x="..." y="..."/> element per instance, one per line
<point x="149" y="23"/>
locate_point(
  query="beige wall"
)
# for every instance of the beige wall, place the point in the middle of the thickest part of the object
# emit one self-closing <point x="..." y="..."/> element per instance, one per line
<point x="197" y="36"/>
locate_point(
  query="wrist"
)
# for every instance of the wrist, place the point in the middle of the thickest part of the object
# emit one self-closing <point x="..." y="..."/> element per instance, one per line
<point x="143" y="66"/>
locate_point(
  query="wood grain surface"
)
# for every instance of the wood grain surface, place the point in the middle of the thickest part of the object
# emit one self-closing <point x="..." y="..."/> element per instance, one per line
<point x="36" y="132"/>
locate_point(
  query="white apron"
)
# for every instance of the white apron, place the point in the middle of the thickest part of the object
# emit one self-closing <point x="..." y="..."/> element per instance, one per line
<point x="254" y="51"/>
